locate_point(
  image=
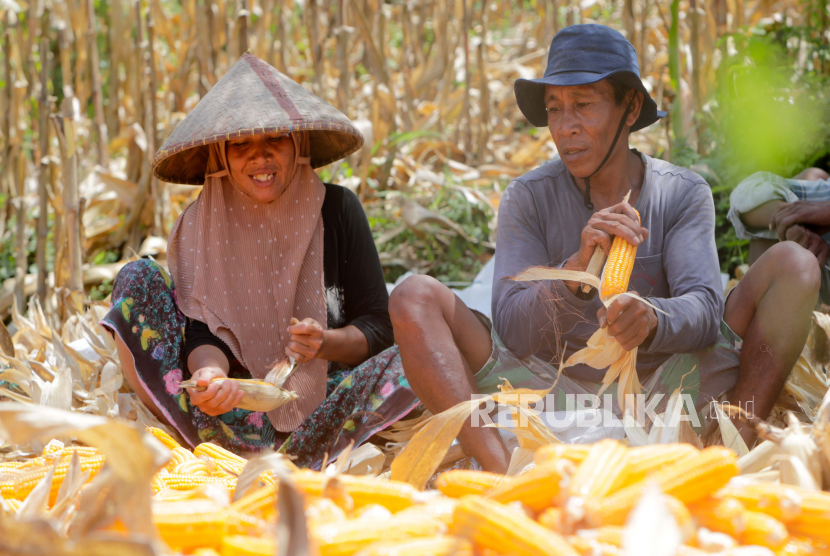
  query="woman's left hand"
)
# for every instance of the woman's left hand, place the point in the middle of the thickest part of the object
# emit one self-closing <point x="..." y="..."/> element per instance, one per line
<point x="307" y="340"/>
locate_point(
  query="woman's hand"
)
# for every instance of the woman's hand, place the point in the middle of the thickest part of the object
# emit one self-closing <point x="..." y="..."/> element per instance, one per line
<point x="619" y="220"/>
<point x="811" y="213"/>
<point x="629" y="321"/>
<point x="307" y="341"/>
<point x="219" y="397"/>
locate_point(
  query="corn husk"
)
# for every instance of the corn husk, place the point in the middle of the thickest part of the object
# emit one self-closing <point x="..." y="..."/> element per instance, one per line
<point x="258" y="396"/>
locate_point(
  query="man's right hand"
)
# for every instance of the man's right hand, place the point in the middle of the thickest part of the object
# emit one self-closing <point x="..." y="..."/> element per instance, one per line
<point x="219" y="397"/>
<point x="618" y="220"/>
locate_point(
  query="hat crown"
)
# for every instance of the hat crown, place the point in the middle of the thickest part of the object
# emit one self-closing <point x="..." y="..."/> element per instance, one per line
<point x="591" y="48"/>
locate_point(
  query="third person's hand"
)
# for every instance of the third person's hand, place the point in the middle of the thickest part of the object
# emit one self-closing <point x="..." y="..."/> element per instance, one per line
<point x="307" y="340"/>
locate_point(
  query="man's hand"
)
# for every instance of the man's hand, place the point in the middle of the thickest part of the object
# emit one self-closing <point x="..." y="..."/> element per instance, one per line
<point x="811" y="213"/>
<point x="810" y="241"/>
<point x="307" y="340"/>
<point x="619" y="220"/>
<point x="219" y="397"/>
<point x="629" y="321"/>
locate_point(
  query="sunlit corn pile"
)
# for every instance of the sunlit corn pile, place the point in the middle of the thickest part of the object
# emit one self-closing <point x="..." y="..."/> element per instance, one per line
<point x="572" y="500"/>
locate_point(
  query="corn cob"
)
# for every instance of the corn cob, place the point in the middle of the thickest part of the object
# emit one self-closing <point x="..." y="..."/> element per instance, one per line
<point x="10" y="465"/>
<point x="804" y="512"/>
<point x="460" y="482"/>
<point x="218" y="453"/>
<point x="260" y="502"/>
<point x="618" y="268"/>
<point x="178" y="455"/>
<point x="185" y="482"/>
<point x="163" y="437"/>
<point x="603" y="470"/>
<point x="554" y="519"/>
<point x="723" y="515"/>
<point x="257" y="395"/>
<point x="371" y="512"/>
<point x="688" y="480"/>
<point x="242" y="524"/>
<point x="438" y="546"/>
<point x="347" y="537"/>
<point x="392" y="495"/>
<point x="538" y="489"/>
<point x="190" y="524"/>
<point x="796" y="546"/>
<point x="645" y="460"/>
<point x="205" y="552"/>
<point x="494" y="526"/>
<point x="320" y="511"/>
<point x="193" y="467"/>
<point x="681" y="515"/>
<point x="437" y="508"/>
<point x="763" y="530"/>
<point x="609" y="534"/>
<point x="573" y="452"/>
<point x="590" y="547"/>
<point x="243" y="545"/>
<point x="25" y="482"/>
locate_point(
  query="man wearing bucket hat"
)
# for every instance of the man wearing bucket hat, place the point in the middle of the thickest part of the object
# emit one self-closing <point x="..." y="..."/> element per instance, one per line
<point x="591" y="98"/>
<point x="266" y="241"/>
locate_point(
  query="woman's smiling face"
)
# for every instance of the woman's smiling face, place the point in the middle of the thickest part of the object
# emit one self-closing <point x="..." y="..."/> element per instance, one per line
<point x="261" y="165"/>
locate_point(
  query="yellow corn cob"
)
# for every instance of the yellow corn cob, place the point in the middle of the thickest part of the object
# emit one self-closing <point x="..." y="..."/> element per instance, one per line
<point x="10" y="465"/>
<point x="618" y="268"/>
<point x="242" y="524"/>
<point x="796" y="546"/>
<point x="242" y="545"/>
<point x="163" y="437"/>
<point x="645" y="460"/>
<point x="438" y="508"/>
<point x="602" y="471"/>
<point x="185" y="482"/>
<point x="193" y="467"/>
<point x="690" y="479"/>
<point x="260" y="502"/>
<point x="204" y="552"/>
<point x="763" y="530"/>
<point x="609" y="534"/>
<point x="554" y="519"/>
<point x="724" y="515"/>
<point x="320" y="511"/>
<point x="438" y="546"/>
<point x="804" y="512"/>
<point x="190" y="524"/>
<point x="460" y="482"/>
<point x="538" y="489"/>
<point x="573" y="452"/>
<point x="494" y="526"/>
<point x="392" y="495"/>
<point x="178" y="455"/>
<point x="215" y="452"/>
<point x="590" y="547"/>
<point x="25" y="482"/>
<point x="347" y="537"/>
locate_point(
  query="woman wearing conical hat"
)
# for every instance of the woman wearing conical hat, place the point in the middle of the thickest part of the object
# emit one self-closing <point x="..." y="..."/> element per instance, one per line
<point x="265" y="242"/>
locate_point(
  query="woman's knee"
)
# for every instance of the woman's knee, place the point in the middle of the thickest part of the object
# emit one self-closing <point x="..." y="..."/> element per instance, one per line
<point x="413" y="297"/>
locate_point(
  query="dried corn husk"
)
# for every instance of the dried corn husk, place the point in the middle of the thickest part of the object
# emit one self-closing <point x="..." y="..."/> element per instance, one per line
<point x="258" y="395"/>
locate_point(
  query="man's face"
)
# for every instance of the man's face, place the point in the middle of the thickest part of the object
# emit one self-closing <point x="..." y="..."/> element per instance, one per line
<point x="261" y="165"/>
<point x="583" y="120"/>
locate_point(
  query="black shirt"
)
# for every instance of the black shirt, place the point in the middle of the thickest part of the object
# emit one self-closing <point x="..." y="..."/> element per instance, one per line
<point x="355" y="288"/>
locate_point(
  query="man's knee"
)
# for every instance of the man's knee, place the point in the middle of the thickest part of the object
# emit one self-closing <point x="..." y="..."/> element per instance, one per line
<point x="796" y="265"/>
<point x="409" y="298"/>
<point x="813" y="174"/>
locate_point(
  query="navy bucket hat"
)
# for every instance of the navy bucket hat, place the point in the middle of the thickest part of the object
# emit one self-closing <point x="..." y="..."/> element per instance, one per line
<point x="580" y="55"/>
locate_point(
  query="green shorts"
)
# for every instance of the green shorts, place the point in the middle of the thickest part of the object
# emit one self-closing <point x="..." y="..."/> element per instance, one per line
<point x="704" y="376"/>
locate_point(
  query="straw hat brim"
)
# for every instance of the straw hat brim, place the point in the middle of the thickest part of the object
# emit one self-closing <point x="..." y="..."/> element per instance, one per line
<point x="253" y="98"/>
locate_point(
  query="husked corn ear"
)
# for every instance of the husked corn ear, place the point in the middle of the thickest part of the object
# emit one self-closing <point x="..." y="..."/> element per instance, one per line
<point x="602" y="470"/>
<point x="163" y="437"/>
<point x="618" y="268"/>
<point x="178" y="455"/>
<point x="573" y="452"/>
<point x="189" y="524"/>
<point x="554" y="519"/>
<point x="193" y="467"/>
<point x="609" y="534"/>
<point x="392" y="495"/>
<point x="538" y="489"/>
<point x="438" y="546"/>
<point x="347" y="537"/>
<point x="213" y="451"/>
<point x="10" y="465"/>
<point x="26" y="481"/>
<point x="460" y="482"/>
<point x="723" y="515"/>
<point x="260" y="502"/>
<point x="437" y="508"/>
<point x="688" y="480"/>
<point x="644" y="460"/>
<point x="494" y="526"/>
<point x="796" y="546"/>
<point x="243" y="545"/>
<point x="257" y="395"/>
<point x="763" y="530"/>
<point x="185" y="482"/>
<point x="204" y="552"/>
<point x="320" y="511"/>
<point x="804" y="512"/>
<point x="590" y="547"/>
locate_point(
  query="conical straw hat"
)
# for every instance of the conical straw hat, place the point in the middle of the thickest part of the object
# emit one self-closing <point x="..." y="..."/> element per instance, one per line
<point x="253" y="98"/>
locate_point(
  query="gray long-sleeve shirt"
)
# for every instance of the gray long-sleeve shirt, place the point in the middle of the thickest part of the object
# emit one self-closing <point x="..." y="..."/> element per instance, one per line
<point x="541" y="217"/>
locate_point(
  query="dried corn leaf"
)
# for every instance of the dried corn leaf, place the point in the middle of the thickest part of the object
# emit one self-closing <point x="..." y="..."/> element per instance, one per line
<point x="729" y="433"/>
